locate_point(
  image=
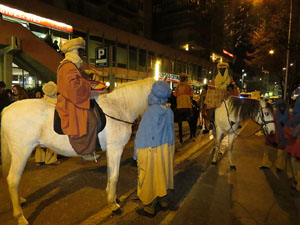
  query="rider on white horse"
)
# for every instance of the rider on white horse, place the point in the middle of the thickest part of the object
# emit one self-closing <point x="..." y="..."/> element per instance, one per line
<point x="220" y="83"/>
<point x="73" y="104"/>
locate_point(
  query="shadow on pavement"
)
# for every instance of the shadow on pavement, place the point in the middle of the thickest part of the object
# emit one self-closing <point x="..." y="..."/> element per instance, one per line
<point x="283" y="194"/>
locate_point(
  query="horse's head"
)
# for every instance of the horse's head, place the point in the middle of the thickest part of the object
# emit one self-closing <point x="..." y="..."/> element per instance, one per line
<point x="265" y="117"/>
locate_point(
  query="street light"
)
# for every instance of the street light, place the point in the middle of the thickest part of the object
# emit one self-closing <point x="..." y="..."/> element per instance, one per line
<point x="271" y="52"/>
<point x="288" y="52"/>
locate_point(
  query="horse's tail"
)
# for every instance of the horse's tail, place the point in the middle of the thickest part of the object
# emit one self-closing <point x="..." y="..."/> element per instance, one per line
<point x="5" y="154"/>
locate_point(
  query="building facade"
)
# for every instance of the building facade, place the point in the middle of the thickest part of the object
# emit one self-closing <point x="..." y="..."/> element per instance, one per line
<point x="130" y="54"/>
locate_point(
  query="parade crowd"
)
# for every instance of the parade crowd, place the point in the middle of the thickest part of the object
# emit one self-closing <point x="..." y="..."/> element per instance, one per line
<point x="155" y="138"/>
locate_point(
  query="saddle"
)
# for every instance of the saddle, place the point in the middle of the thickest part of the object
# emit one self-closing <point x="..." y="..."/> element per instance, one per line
<point x="101" y="119"/>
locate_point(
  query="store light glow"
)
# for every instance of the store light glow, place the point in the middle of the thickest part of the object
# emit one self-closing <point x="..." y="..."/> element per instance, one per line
<point x="186" y="47"/>
<point x="35" y="19"/>
<point x="156" y="75"/>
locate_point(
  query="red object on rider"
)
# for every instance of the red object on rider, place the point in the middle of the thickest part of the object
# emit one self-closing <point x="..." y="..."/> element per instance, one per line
<point x="97" y="85"/>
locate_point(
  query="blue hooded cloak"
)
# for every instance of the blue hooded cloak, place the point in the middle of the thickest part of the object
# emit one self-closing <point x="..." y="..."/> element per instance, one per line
<point x="157" y="125"/>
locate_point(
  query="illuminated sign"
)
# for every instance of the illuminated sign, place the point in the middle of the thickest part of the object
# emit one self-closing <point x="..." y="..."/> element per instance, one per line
<point x="171" y="77"/>
<point x="35" y="19"/>
<point x="227" y="53"/>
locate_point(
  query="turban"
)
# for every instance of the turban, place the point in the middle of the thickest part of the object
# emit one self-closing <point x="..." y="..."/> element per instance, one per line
<point x="50" y="89"/>
<point x="72" y="44"/>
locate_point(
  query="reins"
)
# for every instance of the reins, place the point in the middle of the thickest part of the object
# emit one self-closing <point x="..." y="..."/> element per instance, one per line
<point x="114" y="118"/>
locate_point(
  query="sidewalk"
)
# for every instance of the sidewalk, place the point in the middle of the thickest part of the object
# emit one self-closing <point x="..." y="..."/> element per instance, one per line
<point x="243" y="197"/>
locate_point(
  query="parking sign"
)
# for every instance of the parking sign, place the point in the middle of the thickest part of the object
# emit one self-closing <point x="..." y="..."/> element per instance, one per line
<point x="101" y="56"/>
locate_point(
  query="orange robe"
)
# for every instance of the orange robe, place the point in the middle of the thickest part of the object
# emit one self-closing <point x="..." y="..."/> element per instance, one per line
<point x="183" y="93"/>
<point x="73" y="101"/>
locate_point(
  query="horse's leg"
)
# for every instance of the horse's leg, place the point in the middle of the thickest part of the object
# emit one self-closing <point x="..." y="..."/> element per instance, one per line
<point x="18" y="162"/>
<point x="180" y="131"/>
<point x="230" y="147"/>
<point x="193" y="126"/>
<point x="219" y="137"/>
<point x="113" y="155"/>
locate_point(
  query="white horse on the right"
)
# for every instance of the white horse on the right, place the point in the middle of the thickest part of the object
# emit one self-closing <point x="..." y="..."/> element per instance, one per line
<point x="232" y="112"/>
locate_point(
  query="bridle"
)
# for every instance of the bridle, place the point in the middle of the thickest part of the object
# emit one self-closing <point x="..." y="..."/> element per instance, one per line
<point x="264" y="122"/>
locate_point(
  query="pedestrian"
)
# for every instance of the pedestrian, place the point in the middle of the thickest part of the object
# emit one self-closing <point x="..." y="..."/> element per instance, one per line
<point x="293" y="141"/>
<point x="78" y="120"/>
<point x="19" y="93"/>
<point x="4" y="101"/>
<point x="55" y="45"/>
<point x="154" y="150"/>
<point x="279" y="141"/>
<point x="184" y="111"/>
<point x="45" y="155"/>
<point x="4" y="98"/>
<point x="184" y="94"/>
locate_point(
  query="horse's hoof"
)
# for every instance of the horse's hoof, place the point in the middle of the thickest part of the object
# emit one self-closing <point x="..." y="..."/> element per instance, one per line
<point x="232" y="168"/>
<point x="214" y="163"/>
<point x="22" y="221"/>
<point x="118" y="211"/>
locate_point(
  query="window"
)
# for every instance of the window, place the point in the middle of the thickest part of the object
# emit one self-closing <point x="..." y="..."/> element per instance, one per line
<point x="141" y="5"/>
<point x="132" y="58"/>
<point x="140" y="26"/>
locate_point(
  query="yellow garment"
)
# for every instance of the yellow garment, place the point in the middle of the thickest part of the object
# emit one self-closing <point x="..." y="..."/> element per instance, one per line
<point x="282" y="162"/>
<point x="155" y="172"/>
<point x="296" y="170"/>
<point x="183" y="93"/>
<point x="47" y="156"/>
<point x="221" y="82"/>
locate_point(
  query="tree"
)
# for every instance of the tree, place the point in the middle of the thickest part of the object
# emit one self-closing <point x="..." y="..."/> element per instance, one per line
<point x="240" y="21"/>
<point x="272" y="33"/>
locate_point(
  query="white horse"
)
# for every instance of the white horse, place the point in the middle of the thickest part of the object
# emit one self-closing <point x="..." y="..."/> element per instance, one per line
<point x="235" y="110"/>
<point x="29" y="122"/>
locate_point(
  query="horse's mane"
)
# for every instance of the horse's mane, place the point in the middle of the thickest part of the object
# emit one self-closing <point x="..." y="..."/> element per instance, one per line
<point x="245" y="108"/>
<point x="134" y="94"/>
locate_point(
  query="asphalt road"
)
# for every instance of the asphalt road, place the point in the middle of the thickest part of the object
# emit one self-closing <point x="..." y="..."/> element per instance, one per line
<point x="74" y="192"/>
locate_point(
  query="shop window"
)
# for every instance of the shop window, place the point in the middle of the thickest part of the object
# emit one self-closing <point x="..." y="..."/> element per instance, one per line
<point x="142" y="57"/>
<point x="151" y="60"/>
<point x="77" y="33"/>
<point x="96" y="38"/>
<point x="172" y="66"/>
<point x="122" y="56"/>
<point x="132" y="58"/>
<point x="24" y="79"/>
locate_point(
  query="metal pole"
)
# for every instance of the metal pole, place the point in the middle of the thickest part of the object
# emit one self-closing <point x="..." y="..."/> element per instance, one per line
<point x="288" y="52"/>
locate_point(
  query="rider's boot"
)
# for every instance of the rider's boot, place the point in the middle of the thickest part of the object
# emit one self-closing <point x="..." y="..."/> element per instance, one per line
<point x="91" y="157"/>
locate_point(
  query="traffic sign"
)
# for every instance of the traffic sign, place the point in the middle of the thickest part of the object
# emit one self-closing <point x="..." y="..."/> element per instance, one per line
<point x="101" y="56"/>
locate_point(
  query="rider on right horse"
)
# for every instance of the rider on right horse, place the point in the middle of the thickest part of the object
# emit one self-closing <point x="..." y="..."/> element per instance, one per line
<point x="224" y="85"/>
